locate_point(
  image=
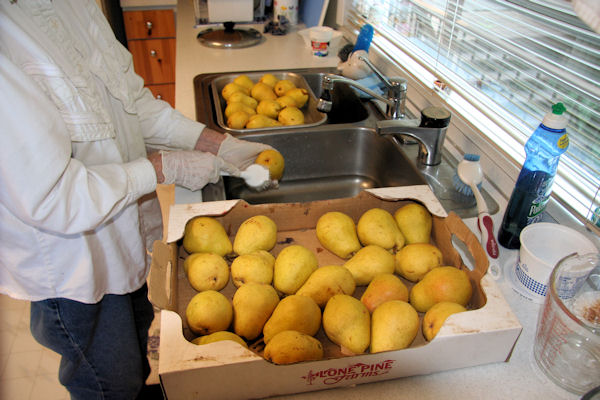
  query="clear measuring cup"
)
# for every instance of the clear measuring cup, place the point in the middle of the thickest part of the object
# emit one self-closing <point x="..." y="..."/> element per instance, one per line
<point x="567" y="342"/>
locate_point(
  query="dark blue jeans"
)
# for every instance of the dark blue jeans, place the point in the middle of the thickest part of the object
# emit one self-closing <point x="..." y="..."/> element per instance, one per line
<point x="103" y="345"/>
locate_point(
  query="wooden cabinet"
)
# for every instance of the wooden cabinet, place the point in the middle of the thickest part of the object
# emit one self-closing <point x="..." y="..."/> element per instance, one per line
<point x="151" y="41"/>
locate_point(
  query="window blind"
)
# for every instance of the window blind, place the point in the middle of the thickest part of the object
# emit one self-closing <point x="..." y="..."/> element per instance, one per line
<point x="510" y="60"/>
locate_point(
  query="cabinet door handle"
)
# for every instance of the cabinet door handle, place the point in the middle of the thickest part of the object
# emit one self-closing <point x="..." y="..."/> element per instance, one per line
<point x="153" y="53"/>
<point x="159" y="96"/>
<point x="149" y="27"/>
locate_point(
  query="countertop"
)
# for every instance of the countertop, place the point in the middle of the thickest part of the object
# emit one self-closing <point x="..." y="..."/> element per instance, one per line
<point x="519" y="378"/>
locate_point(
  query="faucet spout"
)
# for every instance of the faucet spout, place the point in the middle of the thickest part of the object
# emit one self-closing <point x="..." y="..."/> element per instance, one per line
<point x="431" y="140"/>
<point x="395" y="98"/>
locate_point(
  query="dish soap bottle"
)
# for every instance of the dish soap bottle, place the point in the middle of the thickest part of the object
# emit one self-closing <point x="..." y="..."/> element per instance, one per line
<point x="534" y="184"/>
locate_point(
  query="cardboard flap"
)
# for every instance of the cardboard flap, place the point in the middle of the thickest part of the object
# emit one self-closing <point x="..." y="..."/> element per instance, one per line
<point x="166" y="198"/>
<point x="162" y="278"/>
<point x="422" y="193"/>
<point x="451" y="226"/>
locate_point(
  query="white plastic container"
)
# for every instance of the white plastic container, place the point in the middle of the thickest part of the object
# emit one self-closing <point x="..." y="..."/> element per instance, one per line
<point x="544" y="244"/>
<point x="320" y="38"/>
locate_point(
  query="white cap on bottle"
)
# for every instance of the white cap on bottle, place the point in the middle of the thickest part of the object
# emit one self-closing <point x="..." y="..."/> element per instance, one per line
<point x="556" y="119"/>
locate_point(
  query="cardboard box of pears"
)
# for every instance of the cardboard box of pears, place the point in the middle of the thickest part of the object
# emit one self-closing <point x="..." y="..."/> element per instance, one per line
<point x="305" y="318"/>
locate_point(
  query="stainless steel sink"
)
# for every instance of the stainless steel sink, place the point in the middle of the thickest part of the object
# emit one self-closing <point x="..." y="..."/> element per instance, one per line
<point x="327" y="163"/>
<point x="337" y="159"/>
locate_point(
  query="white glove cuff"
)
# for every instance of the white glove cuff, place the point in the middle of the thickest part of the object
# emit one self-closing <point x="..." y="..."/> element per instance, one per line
<point x="190" y="169"/>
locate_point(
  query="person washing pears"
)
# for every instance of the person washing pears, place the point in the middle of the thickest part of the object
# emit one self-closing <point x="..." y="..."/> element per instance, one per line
<point x="82" y="148"/>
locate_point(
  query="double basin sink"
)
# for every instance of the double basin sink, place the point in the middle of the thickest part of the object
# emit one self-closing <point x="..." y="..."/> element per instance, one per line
<point x="338" y="158"/>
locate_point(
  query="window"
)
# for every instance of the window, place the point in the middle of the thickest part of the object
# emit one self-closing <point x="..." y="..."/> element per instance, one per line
<point x="509" y="60"/>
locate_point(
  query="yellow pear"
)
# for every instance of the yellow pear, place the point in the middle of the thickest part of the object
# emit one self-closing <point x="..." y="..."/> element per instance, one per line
<point x="261" y="91"/>
<point x="206" y="235"/>
<point x="414" y="221"/>
<point x="369" y="262"/>
<point x="241" y="97"/>
<point x="208" y="312"/>
<point x="253" y="304"/>
<point x="377" y="226"/>
<point x="436" y="316"/>
<point x="347" y="323"/>
<point x="244" y="80"/>
<point x="285" y="101"/>
<point x="206" y="271"/>
<point x="236" y="106"/>
<point x="270" y="108"/>
<point x="231" y="88"/>
<point x="326" y="282"/>
<point x="337" y="233"/>
<point x="282" y="86"/>
<point x="293" y="266"/>
<point x="291" y="116"/>
<point x="299" y="95"/>
<point x="253" y="267"/>
<point x="295" y="312"/>
<point x="290" y="347"/>
<point x="394" y="326"/>
<point x="219" y="336"/>
<point x="441" y="284"/>
<point x="255" y="233"/>
<point x="273" y="160"/>
<point x="414" y="260"/>
<point x="384" y="287"/>
<point x="238" y="120"/>
<point x="269" y="79"/>
<point x="259" y="121"/>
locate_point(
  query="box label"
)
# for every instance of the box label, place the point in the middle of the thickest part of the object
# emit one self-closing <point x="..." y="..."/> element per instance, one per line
<point x="332" y="376"/>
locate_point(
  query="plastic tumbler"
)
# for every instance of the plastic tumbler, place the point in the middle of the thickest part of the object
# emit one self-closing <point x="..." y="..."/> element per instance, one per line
<point x="567" y="342"/>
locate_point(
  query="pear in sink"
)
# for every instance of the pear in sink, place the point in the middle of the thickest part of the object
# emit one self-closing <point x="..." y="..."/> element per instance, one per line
<point x="238" y="120"/>
<point x="269" y="79"/>
<point x="240" y="97"/>
<point x="238" y="106"/>
<point x="258" y="121"/>
<point x="231" y="88"/>
<point x="291" y="116"/>
<point x="299" y="95"/>
<point x="270" y="108"/>
<point x="244" y="80"/>
<point x="337" y="233"/>
<point x="261" y="91"/>
<point x="283" y="86"/>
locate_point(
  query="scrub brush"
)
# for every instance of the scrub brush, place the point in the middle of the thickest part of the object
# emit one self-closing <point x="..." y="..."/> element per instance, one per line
<point x="256" y="177"/>
<point x="467" y="181"/>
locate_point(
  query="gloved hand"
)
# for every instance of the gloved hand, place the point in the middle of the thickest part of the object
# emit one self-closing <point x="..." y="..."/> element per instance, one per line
<point x="240" y="153"/>
<point x="194" y="169"/>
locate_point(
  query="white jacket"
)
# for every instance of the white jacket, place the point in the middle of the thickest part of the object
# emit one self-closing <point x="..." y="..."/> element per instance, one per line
<point x="75" y="121"/>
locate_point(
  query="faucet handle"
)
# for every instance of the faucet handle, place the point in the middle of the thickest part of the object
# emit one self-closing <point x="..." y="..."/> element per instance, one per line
<point x="435" y="117"/>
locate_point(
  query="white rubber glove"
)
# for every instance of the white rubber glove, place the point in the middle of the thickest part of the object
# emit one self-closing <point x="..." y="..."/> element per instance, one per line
<point x="194" y="169"/>
<point x="240" y="153"/>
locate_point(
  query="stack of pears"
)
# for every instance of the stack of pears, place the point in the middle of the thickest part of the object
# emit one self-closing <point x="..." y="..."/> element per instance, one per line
<point x="270" y="102"/>
<point x="286" y="300"/>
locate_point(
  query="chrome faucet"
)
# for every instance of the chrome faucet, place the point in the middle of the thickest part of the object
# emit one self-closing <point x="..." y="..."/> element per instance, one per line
<point x="429" y="130"/>
<point x="395" y="93"/>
